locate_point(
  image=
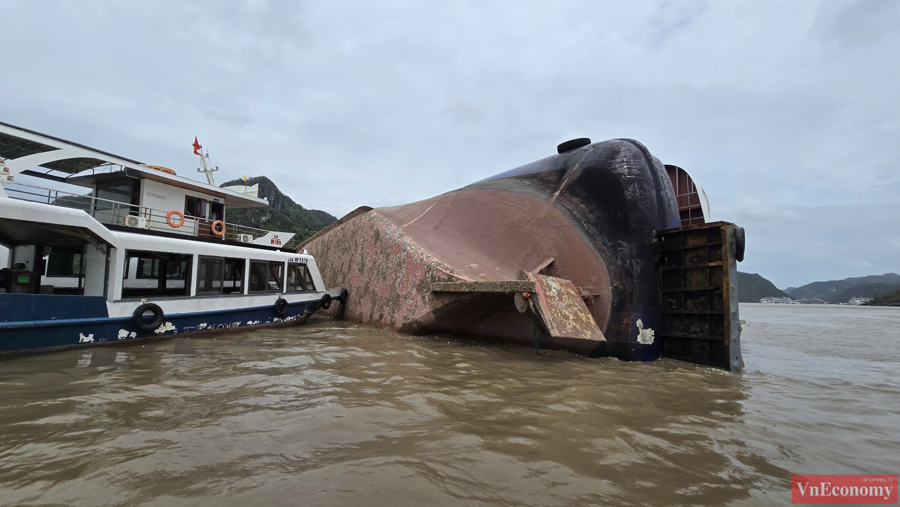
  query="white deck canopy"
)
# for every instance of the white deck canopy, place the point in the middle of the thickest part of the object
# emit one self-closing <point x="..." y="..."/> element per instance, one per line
<point x="31" y="153"/>
<point x="23" y="222"/>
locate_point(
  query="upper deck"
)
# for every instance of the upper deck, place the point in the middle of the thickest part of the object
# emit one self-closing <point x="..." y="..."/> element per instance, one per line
<point x="123" y="192"/>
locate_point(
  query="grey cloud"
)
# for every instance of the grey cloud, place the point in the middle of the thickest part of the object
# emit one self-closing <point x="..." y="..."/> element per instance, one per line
<point x="675" y="15"/>
<point x="854" y="23"/>
<point x="234" y="119"/>
<point x="777" y="108"/>
<point x="795" y="244"/>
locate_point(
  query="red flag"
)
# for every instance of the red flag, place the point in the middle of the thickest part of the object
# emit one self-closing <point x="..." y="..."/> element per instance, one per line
<point x="196" y="146"/>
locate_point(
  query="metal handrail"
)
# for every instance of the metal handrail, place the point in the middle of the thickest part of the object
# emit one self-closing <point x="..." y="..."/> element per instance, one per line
<point x="111" y="212"/>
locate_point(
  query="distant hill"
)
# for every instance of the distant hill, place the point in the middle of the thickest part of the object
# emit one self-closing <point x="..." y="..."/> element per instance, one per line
<point x="752" y="287"/>
<point x="283" y="214"/>
<point x="82" y="202"/>
<point x="834" y="288"/>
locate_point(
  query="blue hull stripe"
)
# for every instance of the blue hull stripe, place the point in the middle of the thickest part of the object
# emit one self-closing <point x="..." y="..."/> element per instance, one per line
<point x="38" y="307"/>
<point x="60" y="322"/>
<point x="102" y="320"/>
<point x="44" y="334"/>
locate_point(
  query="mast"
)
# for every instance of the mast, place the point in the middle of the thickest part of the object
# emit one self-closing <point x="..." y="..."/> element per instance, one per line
<point x="204" y="161"/>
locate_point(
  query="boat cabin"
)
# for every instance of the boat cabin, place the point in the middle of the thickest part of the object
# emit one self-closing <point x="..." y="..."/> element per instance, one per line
<point x="136" y="231"/>
<point x="151" y="194"/>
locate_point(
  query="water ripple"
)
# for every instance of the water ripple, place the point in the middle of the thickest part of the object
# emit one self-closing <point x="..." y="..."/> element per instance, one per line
<point x="338" y="414"/>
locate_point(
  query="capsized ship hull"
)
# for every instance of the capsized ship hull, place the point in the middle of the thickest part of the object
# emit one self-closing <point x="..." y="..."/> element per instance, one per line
<point x="560" y="251"/>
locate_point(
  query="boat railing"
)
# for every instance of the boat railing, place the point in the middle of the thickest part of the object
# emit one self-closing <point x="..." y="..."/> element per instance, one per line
<point x="111" y="212"/>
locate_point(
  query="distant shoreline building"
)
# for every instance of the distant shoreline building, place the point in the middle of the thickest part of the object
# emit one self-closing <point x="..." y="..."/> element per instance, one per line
<point x="777" y="300"/>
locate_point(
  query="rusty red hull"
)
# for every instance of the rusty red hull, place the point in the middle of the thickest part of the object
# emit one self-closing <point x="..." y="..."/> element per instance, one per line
<point x="585" y="216"/>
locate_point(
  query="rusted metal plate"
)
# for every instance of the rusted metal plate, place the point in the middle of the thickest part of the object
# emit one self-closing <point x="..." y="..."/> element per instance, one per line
<point x="486" y="234"/>
<point x="698" y="290"/>
<point x="503" y="286"/>
<point x="562" y="310"/>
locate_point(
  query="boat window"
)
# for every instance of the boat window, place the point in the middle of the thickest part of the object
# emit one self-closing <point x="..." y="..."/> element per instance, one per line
<point x="115" y="199"/>
<point x="309" y="281"/>
<point x="217" y="275"/>
<point x="204" y="213"/>
<point x="61" y="264"/>
<point x="62" y="271"/>
<point x="266" y="276"/>
<point x="276" y="275"/>
<point x="201" y="208"/>
<point x="193" y="207"/>
<point x="155" y="274"/>
<point x="234" y="276"/>
<point x="148" y="267"/>
<point x="258" y="276"/>
<point x="298" y="278"/>
<point x="209" y="275"/>
<point x="216" y="211"/>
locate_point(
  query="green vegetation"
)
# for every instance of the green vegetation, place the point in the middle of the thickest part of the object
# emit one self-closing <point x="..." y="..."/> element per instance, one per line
<point x="889" y="299"/>
<point x="283" y="214"/>
<point x="752" y="287"/>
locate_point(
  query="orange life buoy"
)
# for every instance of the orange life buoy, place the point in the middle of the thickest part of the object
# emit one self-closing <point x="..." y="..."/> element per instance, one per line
<point x="169" y="218"/>
<point x="218" y="227"/>
<point x="161" y="168"/>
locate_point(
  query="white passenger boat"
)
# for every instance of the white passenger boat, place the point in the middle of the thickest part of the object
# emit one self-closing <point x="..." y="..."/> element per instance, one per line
<point x="146" y="253"/>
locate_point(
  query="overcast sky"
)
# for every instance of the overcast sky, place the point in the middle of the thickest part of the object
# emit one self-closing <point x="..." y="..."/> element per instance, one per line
<point x="786" y="112"/>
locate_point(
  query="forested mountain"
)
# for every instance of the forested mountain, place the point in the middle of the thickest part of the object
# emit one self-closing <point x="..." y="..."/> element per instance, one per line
<point x="836" y="289"/>
<point x="863" y="290"/>
<point x="282" y="214"/>
<point x="752" y="287"/>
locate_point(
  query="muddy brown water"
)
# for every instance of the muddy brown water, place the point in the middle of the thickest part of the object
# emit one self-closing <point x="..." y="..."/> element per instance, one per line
<point x="337" y="414"/>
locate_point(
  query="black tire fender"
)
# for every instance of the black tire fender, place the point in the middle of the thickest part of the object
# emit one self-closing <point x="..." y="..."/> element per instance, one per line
<point x="739" y="243"/>
<point x="326" y="302"/>
<point x="281" y="307"/>
<point x="137" y="319"/>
